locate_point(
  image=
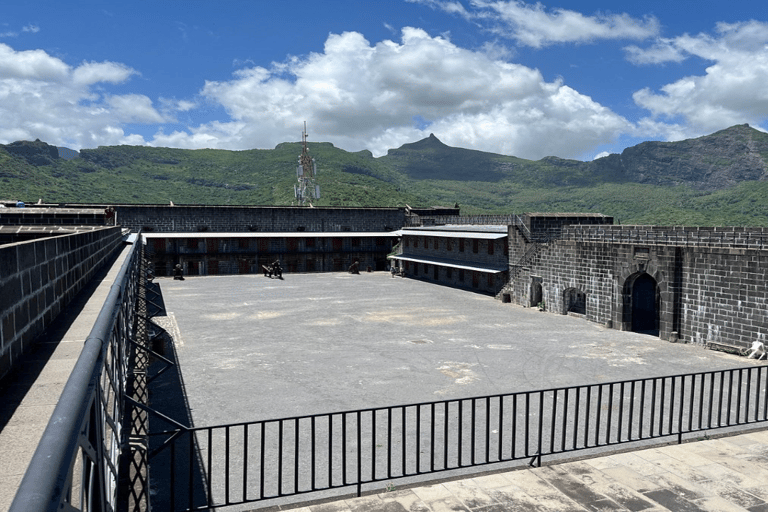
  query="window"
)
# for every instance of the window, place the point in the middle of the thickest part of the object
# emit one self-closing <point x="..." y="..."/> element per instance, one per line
<point x="461" y="245"/>
<point x="309" y="242"/>
<point x="491" y="243"/>
<point x="448" y="244"/>
<point x="474" y="246"/>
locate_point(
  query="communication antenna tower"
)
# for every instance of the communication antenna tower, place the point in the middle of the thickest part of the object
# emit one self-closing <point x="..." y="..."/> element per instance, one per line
<point x="306" y="190"/>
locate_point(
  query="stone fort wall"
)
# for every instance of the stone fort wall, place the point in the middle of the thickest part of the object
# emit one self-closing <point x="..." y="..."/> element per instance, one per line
<point x="39" y="278"/>
<point x="709" y="282"/>
<point x="233" y="219"/>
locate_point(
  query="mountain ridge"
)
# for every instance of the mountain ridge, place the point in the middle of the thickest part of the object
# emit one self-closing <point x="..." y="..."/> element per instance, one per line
<point x="714" y="179"/>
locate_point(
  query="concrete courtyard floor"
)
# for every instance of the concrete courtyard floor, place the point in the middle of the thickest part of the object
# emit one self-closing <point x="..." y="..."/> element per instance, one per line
<point x="252" y="348"/>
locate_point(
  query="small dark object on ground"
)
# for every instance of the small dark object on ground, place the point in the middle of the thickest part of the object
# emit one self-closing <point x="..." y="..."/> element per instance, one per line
<point x="273" y="270"/>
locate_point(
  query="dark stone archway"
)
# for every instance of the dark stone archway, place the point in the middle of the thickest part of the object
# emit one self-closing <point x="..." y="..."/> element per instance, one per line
<point x="645" y="304"/>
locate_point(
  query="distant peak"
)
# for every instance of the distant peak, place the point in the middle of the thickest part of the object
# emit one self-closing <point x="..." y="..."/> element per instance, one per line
<point x="429" y="142"/>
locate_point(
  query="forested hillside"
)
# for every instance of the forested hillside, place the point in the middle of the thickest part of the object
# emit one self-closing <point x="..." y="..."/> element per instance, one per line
<point x="719" y="179"/>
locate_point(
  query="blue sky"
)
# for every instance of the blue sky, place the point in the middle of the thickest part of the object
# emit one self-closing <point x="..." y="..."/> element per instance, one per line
<point x="573" y="79"/>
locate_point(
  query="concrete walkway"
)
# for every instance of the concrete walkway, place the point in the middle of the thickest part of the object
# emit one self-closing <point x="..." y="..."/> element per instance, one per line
<point x="30" y="394"/>
<point x="718" y="475"/>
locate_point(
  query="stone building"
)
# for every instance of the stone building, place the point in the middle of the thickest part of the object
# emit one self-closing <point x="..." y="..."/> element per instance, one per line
<point x="696" y="285"/>
<point x="474" y="257"/>
<point x="247" y="253"/>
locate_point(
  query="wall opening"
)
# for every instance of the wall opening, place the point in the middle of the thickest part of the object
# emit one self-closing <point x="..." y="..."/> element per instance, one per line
<point x="645" y="305"/>
<point x="536" y="295"/>
<point x="575" y="301"/>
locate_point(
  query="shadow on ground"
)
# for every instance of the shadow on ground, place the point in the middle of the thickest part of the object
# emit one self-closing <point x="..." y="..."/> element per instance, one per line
<point x="177" y="480"/>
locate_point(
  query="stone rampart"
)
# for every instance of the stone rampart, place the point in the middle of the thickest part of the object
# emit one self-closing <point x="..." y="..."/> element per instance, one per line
<point x="52" y="216"/>
<point x="724" y="237"/>
<point x="703" y="285"/>
<point x="233" y="219"/>
<point x="39" y="278"/>
<point x="458" y="220"/>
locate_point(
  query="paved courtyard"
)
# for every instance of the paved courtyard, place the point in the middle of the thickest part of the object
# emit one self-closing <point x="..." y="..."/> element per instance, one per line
<point x="253" y="348"/>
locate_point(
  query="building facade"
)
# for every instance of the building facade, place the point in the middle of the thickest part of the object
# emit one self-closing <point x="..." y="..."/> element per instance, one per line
<point x="474" y="257"/>
<point x="696" y="285"/>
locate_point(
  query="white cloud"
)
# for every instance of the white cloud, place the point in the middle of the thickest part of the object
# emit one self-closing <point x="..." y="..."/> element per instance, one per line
<point x="32" y="64"/>
<point x="31" y="28"/>
<point x="133" y="108"/>
<point x="43" y="97"/>
<point x="89" y="73"/>
<point x="364" y="96"/>
<point x="534" y="25"/>
<point x="732" y="90"/>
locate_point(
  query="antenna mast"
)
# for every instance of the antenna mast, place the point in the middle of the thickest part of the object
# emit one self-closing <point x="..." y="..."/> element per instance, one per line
<point x="306" y="190"/>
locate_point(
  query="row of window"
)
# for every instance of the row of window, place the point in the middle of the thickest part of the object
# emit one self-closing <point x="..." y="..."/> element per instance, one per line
<point x="433" y="271"/>
<point x="263" y="244"/>
<point x="429" y="242"/>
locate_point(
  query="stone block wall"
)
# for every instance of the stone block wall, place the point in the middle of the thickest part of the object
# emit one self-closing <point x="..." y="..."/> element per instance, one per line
<point x="553" y="223"/>
<point x="725" y="296"/>
<point x="191" y="219"/>
<point x="50" y="216"/>
<point x="39" y="278"/>
<point x="709" y="282"/>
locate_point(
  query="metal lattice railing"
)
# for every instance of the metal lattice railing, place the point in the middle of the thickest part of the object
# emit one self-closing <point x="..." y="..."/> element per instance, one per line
<point x="247" y="462"/>
<point x="75" y="465"/>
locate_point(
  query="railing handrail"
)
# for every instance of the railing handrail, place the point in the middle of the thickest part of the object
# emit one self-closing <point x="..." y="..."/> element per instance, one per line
<point x="46" y="482"/>
<point x="319" y="452"/>
<point x="451" y="400"/>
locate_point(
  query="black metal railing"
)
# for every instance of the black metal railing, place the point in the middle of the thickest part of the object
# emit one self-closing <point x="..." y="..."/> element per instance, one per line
<point x="247" y="462"/>
<point x="75" y="465"/>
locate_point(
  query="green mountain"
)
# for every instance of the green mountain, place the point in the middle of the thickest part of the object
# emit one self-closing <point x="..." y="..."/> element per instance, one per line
<point x="718" y="179"/>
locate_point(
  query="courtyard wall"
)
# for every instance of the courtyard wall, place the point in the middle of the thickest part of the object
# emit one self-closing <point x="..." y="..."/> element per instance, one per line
<point x="709" y="282"/>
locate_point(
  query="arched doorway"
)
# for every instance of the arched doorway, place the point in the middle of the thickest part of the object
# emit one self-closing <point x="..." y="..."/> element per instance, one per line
<point x="645" y="305"/>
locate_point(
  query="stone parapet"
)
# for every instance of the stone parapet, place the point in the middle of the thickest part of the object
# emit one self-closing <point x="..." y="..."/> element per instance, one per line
<point x="39" y="278"/>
